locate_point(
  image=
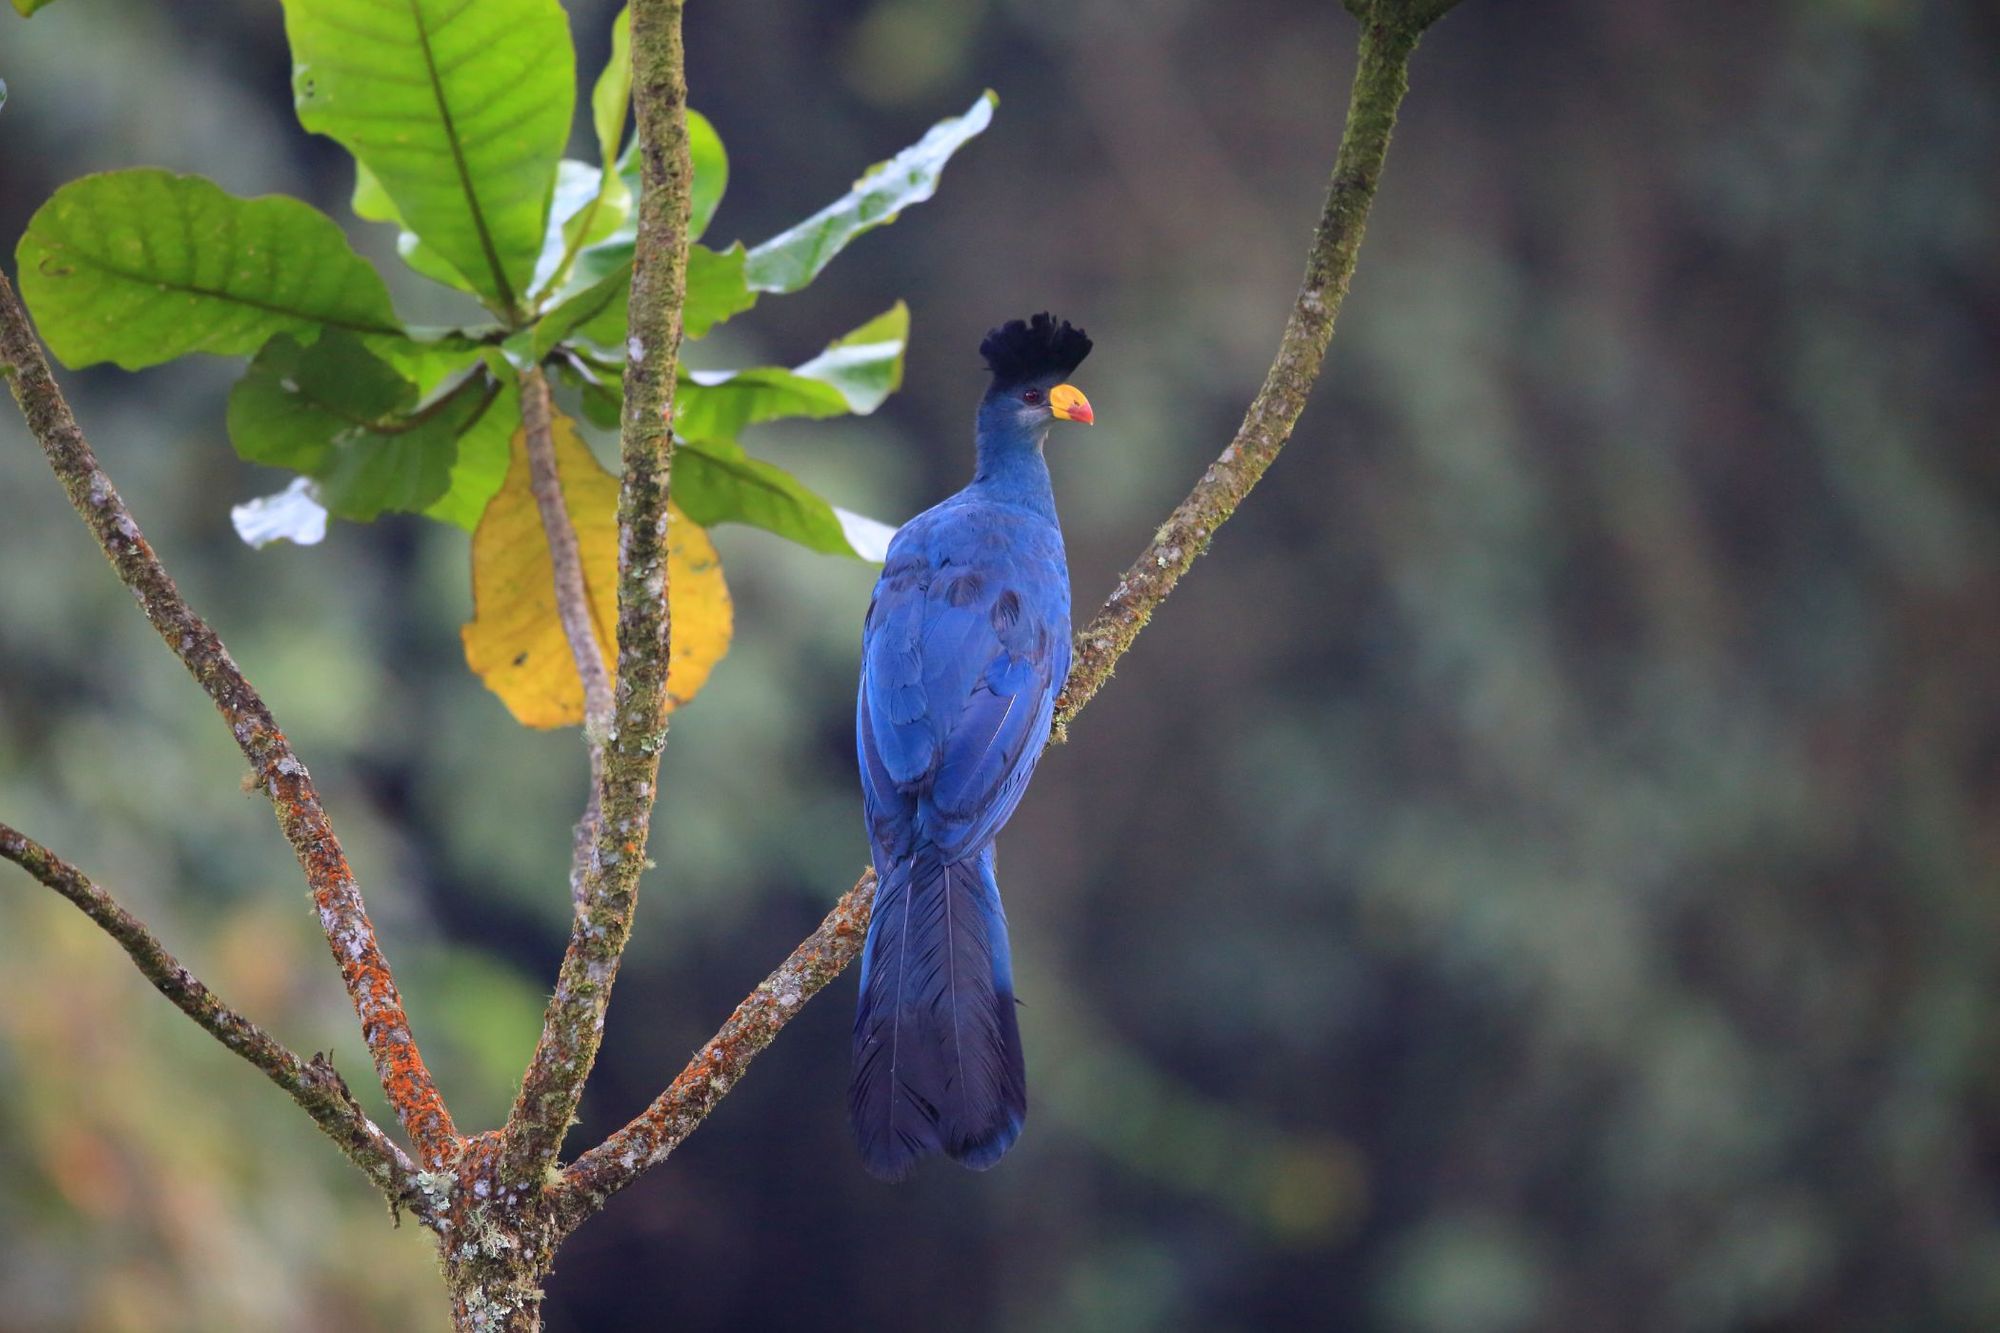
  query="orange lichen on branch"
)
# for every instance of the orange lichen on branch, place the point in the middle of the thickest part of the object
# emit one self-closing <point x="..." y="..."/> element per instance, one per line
<point x="313" y="1084"/>
<point x="606" y="883"/>
<point x="349" y="933"/>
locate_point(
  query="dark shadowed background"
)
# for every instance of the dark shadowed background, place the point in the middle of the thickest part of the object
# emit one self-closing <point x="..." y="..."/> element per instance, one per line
<point x="1540" y="873"/>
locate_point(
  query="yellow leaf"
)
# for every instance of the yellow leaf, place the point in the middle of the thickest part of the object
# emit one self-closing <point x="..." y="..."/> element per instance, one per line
<point x="515" y="642"/>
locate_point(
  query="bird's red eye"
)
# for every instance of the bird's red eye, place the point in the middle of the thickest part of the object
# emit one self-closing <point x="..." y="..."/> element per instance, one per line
<point x="1032" y="396"/>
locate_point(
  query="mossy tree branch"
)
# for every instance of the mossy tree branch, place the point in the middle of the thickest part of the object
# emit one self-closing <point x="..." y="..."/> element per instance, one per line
<point x="500" y="1213"/>
<point x="1389" y="33"/>
<point x="406" y="1080"/>
<point x="313" y="1084"/>
<point x="572" y="608"/>
<point x="624" y="794"/>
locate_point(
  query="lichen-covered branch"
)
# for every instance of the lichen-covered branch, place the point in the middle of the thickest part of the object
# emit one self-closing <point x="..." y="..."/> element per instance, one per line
<point x="1389" y="33"/>
<point x="350" y="934"/>
<point x="314" y="1084"/>
<point x="645" y="1142"/>
<point x="1390" y="29"/>
<point x="572" y="597"/>
<point x="573" y="1024"/>
<point x="572" y="608"/>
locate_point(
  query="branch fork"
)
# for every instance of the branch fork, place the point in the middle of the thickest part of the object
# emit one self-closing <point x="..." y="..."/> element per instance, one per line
<point x="498" y="1201"/>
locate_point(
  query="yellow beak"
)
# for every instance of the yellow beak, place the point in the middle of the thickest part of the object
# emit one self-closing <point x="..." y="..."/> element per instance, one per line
<point x="1067" y="403"/>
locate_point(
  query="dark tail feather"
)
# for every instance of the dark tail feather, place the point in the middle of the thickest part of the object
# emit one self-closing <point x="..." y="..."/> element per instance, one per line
<point x="937" y="1050"/>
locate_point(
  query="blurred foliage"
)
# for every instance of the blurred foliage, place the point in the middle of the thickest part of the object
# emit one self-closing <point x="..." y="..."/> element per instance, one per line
<point x="1541" y="872"/>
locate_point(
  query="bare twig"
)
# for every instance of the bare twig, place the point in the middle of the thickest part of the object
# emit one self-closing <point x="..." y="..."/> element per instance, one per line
<point x="573" y="1024"/>
<point x="572" y="608"/>
<point x="314" y="1084"/>
<point x="1390" y="29"/>
<point x="572" y="596"/>
<point x="343" y="916"/>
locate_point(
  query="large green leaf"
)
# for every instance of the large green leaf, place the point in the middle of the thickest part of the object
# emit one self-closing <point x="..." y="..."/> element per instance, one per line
<point x="139" y="267"/>
<point x="460" y="110"/>
<point x="429" y="357"/>
<point x="716" y="482"/>
<point x="793" y="258"/>
<point x="372" y="203"/>
<point x="854" y="374"/>
<point x="343" y="416"/>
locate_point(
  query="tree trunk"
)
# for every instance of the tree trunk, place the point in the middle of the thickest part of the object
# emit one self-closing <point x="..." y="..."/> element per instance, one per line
<point x="497" y="1245"/>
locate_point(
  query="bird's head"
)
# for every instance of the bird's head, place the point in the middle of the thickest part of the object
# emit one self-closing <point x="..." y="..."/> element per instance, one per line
<point x="1031" y="361"/>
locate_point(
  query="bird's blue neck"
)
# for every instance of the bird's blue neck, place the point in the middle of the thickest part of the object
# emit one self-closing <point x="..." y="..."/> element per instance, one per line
<point x="1010" y="467"/>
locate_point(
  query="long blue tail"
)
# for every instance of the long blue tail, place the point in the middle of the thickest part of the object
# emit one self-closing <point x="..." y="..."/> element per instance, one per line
<point x="937" y="1049"/>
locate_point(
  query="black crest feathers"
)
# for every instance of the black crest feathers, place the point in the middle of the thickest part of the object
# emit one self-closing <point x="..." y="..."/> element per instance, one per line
<point x="1022" y="350"/>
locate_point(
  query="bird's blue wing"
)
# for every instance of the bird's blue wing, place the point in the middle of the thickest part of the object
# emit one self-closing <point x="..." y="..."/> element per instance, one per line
<point x="965" y="643"/>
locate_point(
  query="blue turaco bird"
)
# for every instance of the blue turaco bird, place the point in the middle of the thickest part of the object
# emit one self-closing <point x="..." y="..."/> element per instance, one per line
<point x="964" y="647"/>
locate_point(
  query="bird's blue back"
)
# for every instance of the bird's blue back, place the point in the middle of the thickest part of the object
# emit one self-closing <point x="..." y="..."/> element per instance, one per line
<point x="964" y="647"/>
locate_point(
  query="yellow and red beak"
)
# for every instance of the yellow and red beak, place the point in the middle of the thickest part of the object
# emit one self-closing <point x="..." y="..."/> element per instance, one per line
<point x="1067" y="403"/>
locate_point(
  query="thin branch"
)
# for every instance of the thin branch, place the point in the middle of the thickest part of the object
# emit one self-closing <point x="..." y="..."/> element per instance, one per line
<point x="343" y="916"/>
<point x="572" y="609"/>
<point x="1381" y="77"/>
<point x="573" y="1024"/>
<point x="572" y="597"/>
<point x="645" y="1142"/>
<point x="314" y="1084"/>
<point x="1390" y="29"/>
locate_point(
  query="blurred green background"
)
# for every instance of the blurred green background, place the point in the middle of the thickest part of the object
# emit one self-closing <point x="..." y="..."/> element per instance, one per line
<point x="1541" y="872"/>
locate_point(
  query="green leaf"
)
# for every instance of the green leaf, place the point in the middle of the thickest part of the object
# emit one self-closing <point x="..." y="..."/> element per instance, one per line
<point x="429" y="357"/>
<point x="611" y="98"/>
<point x="26" y="7"/>
<point x="404" y="472"/>
<point x="580" y="216"/>
<point x="602" y="234"/>
<point x="480" y="465"/>
<point x="854" y="374"/>
<point x="296" y="402"/>
<point x="371" y="203"/>
<point x="601" y="395"/>
<point x="716" y="291"/>
<point x="711" y="174"/>
<point x="600" y="217"/>
<point x="459" y="109"/>
<point x="716" y="482"/>
<point x="139" y="267"/>
<point x="867" y="364"/>
<point x="343" y="416"/>
<point x="793" y="258"/>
